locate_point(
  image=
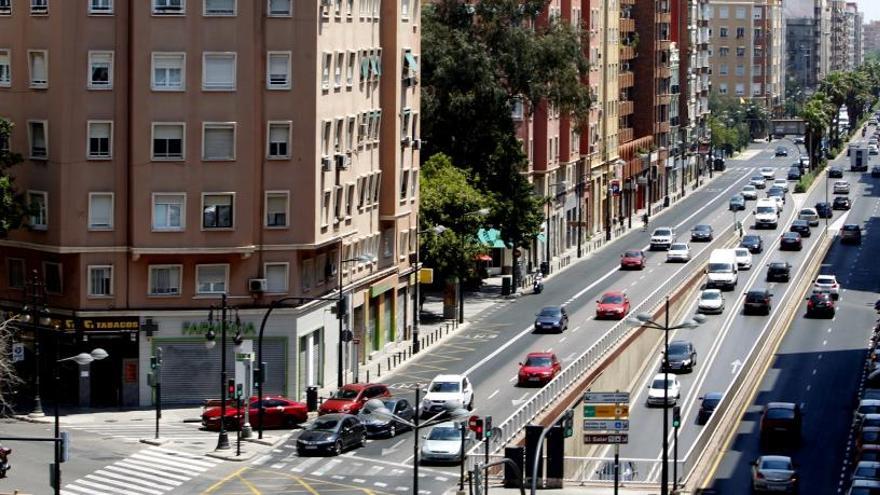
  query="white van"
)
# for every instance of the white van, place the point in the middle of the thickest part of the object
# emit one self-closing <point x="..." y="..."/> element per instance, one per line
<point x="722" y="272"/>
<point x="766" y="214"/>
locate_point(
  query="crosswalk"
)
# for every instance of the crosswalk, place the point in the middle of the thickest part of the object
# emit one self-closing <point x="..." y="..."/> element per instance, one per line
<point x="130" y="432"/>
<point x="152" y="471"/>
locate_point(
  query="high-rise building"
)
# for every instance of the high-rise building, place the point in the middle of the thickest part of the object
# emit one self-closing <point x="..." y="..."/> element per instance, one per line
<point x="847" y="44"/>
<point x="177" y="152"/>
<point x="808" y="41"/>
<point x="855" y="21"/>
<point x="691" y="35"/>
<point x="871" y="36"/>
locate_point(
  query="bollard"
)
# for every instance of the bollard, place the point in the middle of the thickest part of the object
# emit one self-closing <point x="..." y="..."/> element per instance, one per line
<point x="379" y="370"/>
<point x="368" y="376"/>
<point x="388" y="362"/>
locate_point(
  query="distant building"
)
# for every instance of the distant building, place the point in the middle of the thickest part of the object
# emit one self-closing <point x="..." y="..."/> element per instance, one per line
<point x="808" y="41"/>
<point x="871" y="37"/>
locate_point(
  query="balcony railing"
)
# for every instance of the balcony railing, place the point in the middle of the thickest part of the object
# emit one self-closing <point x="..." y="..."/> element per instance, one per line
<point x="627" y="25"/>
<point x="625" y="108"/>
<point x="625" y="79"/>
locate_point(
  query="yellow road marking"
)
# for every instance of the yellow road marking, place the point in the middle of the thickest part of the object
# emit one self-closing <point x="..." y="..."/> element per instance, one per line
<point x="250" y="486"/>
<point x="222" y="482"/>
<point x="305" y="485"/>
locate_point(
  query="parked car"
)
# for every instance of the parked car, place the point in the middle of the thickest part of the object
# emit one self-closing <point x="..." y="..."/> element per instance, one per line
<point x="749" y="192"/>
<point x="758" y="301"/>
<point x="864" y="487"/>
<point x="678" y="251"/>
<point x="758" y="181"/>
<point x="682" y="356"/>
<point x="799" y="140"/>
<point x="447" y="392"/>
<point x="737" y="202"/>
<point x="824" y="210"/>
<point x="781" y="420"/>
<point x="778" y="271"/>
<point x="835" y="173"/>
<point x="708" y="404"/>
<point x="841" y="203"/>
<point x="443" y="443"/>
<point x="810" y="215"/>
<point x="802" y="227"/>
<point x="827" y="283"/>
<point x="538" y="369"/>
<point x="710" y="301"/>
<point x="868" y="436"/>
<point x="352" y="397"/>
<point x="869" y="452"/>
<point x="781" y="151"/>
<point x="552" y="318"/>
<point x="875" y="171"/>
<point x="388" y="427"/>
<point x="278" y="412"/>
<point x="753" y="243"/>
<point x="866" y="470"/>
<point x="701" y="233"/>
<point x="613" y="304"/>
<point x="657" y="390"/>
<point x="841" y="187"/>
<point x="774" y="473"/>
<point x="633" y="258"/>
<point x="743" y="258"/>
<point x="331" y="434"/>
<point x="851" y="234"/>
<point x="820" y="303"/>
<point x="791" y="241"/>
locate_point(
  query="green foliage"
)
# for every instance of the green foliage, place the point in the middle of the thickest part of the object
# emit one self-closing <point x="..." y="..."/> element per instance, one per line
<point x="734" y="122"/>
<point x="13" y="207"/>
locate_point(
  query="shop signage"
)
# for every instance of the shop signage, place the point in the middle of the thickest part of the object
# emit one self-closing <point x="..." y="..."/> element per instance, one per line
<point x="201" y="328"/>
<point x="383" y="286"/>
<point x="104" y="324"/>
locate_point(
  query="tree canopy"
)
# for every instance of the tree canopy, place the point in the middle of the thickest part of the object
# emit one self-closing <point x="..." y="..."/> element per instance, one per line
<point x="12" y="202"/>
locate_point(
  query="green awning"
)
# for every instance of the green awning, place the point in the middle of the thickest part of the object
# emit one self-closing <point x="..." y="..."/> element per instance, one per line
<point x="365" y="68"/>
<point x="491" y="238"/>
<point x="410" y="61"/>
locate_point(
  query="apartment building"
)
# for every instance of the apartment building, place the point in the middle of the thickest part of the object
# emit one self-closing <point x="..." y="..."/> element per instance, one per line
<point x="807" y="41"/>
<point x="747" y="50"/>
<point x="177" y="151"/>
<point x="855" y="21"/>
<point x="871" y="36"/>
<point x="692" y="37"/>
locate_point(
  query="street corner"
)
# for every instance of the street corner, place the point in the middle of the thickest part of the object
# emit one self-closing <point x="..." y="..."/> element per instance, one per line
<point x="258" y="481"/>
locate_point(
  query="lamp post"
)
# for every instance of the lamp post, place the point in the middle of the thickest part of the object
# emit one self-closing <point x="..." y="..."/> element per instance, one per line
<point x="210" y="343"/>
<point x="481" y="212"/>
<point x="341" y="309"/>
<point x="550" y="198"/>
<point x="377" y="408"/>
<point x="416" y="344"/>
<point x="579" y="189"/>
<point x="36" y="313"/>
<point x="644" y="320"/>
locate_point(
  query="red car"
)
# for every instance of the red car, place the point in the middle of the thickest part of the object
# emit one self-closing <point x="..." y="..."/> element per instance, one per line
<point x="538" y="369"/>
<point x="278" y="412"/>
<point x="351" y="398"/>
<point x="634" y="258"/>
<point x="614" y="305"/>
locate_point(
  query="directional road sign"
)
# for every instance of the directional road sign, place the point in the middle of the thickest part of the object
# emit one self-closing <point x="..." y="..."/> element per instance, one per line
<point x="607" y="397"/>
<point x="606" y="424"/>
<point x="590" y="438"/>
<point x="17" y="352"/>
<point x="606" y="411"/>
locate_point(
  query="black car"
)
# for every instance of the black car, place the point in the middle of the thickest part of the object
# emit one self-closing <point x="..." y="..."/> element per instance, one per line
<point x="331" y="434"/>
<point x="776" y="191"/>
<point x="708" y="404"/>
<point x="552" y="318"/>
<point x="841" y="203"/>
<point x="851" y="234"/>
<point x="824" y="209"/>
<point x="701" y="233"/>
<point x="753" y="243"/>
<point x="802" y="227"/>
<point x="835" y="173"/>
<point x="383" y="427"/>
<point x="781" y="151"/>
<point x="791" y="241"/>
<point x="778" y="271"/>
<point x="820" y="303"/>
<point x="794" y="173"/>
<point x="781" y="419"/>
<point x="757" y="302"/>
<point x="875" y="171"/>
<point x="682" y="356"/>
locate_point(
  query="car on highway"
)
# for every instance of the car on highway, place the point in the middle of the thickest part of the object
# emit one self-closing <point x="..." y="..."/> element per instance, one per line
<point x="824" y="210"/>
<point x="766" y="214"/>
<point x="867" y="406"/>
<point x="799" y="140"/>
<point x="613" y="305"/>
<point x="388" y="427"/>
<point x="743" y="258"/>
<point x="633" y="259"/>
<point x="868" y="436"/>
<point x="803" y="161"/>
<point x="663" y="384"/>
<point x="866" y="470"/>
<point x="538" y="369"/>
<point x="749" y="192"/>
<point x="737" y="202"/>
<point x="780" y="183"/>
<point x="875" y="171"/>
<point x="768" y="173"/>
<point x="758" y="181"/>
<point x="827" y="283"/>
<point x="781" y="420"/>
<point x="810" y="215"/>
<point x="781" y="151"/>
<point x="753" y="243"/>
<point x="869" y="420"/>
<point x="869" y="452"/>
<point x="791" y="241"/>
<point x="352" y="397"/>
<point x="331" y="434"/>
<point x="778" y="201"/>
<point x="794" y="174"/>
<point x="851" y="233"/>
<point x="774" y="473"/>
<point x="776" y="191"/>
<point x="835" y="173"/>
<point x="447" y="392"/>
<point x="443" y="443"/>
<point x="710" y="301"/>
<point x="552" y="318"/>
<point x="802" y="227"/>
<point x="758" y="301"/>
<point x="873" y="149"/>
<point x="662" y="237"/>
<point x="708" y="404"/>
<point x="841" y="203"/>
<point x="678" y="251"/>
<point x="841" y="187"/>
<point x="864" y="487"/>
<point x="278" y="412"/>
<point x="702" y="233"/>
<point x="820" y="304"/>
<point x="682" y="356"/>
<point x="778" y="271"/>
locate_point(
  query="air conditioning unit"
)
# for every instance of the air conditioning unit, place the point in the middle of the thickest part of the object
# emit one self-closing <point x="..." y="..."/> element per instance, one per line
<point x="257" y="284"/>
<point x="417" y="144"/>
<point x="406" y="141"/>
<point x="342" y="161"/>
<point x="326" y="164"/>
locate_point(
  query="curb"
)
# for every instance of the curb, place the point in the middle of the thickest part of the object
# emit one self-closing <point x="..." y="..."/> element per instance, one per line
<point x="45" y="420"/>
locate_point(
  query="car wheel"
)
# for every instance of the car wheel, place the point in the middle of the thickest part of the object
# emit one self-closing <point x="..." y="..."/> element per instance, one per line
<point x="337" y="448"/>
<point x="470" y="406"/>
<point x="289" y="422"/>
<point x="362" y="441"/>
<point x="392" y="431"/>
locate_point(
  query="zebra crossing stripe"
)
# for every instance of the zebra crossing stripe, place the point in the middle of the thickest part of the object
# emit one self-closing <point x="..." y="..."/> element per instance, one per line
<point x="130" y="479"/>
<point x="142" y="473"/>
<point x="76" y="490"/>
<point x="108" y="481"/>
<point x="146" y="466"/>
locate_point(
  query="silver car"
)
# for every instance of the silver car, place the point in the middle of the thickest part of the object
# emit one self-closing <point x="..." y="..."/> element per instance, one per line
<point x="443" y="443"/>
<point x="810" y="215"/>
<point x="749" y="192"/>
<point x="774" y="473"/>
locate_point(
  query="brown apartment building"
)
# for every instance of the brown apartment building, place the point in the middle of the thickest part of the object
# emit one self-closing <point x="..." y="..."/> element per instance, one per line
<point x="177" y="150"/>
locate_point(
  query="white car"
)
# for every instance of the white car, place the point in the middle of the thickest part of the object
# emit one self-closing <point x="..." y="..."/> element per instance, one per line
<point x="749" y="192"/>
<point x="841" y="187"/>
<point x="447" y="392"/>
<point x="657" y="389"/>
<point x="758" y="181"/>
<point x="743" y="258"/>
<point x="679" y="251"/>
<point x="780" y="203"/>
<point x="810" y="215"/>
<point x="711" y="301"/>
<point x="662" y="238"/>
<point x="781" y="183"/>
<point x="768" y="173"/>
<point x="827" y="283"/>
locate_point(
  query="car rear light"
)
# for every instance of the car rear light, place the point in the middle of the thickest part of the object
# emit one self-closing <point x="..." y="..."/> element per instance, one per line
<point x="759" y="475"/>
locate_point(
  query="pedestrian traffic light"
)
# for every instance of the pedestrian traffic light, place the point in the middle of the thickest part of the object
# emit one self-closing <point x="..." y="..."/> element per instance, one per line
<point x="230" y="389"/>
<point x="568" y="423"/>
<point x="676" y="416"/>
<point x="487" y="425"/>
<point x="260" y="373"/>
<point x="239" y="391"/>
<point x="475" y="424"/>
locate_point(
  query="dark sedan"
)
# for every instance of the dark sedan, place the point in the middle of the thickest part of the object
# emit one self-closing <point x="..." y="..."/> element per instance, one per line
<point x="757" y="301"/>
<point x="552" y="318"/>
<point x="781" y="151"/>
<point x="682" y="356"/>
<point x="824" y="210"/>
<point x="753" y="243"/>
<point x="851" y="234"/>
<point x="331" y="434"/>
<point x="702" y="233"/>
<point x="781" y="420"/>
<point x="708" y="404"/>
<point x="791" y="241"/>
<point x="377" y="427"/>
<point x="841" y="203"/>
<point x="778" y="271"/>
<point x="802" y="227"/>
<point x="875" y="171"/>
<point x="820" y="303"/>
<point x="835" y="173"/>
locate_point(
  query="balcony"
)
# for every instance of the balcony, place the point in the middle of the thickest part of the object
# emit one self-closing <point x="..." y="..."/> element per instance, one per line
<point x="625" y="80"/>
<point x="624" y="135"/>
<point x="664" y="72"/>
<point x="662" y="45"/>
<point x="627" y="25"/>
<point x="661" y="127"/>
<point x="627" y="52"/>
<point x="625" y="108"/>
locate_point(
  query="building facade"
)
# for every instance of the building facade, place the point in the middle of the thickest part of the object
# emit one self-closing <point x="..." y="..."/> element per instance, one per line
<point x="807" y="42"/>
<point x="871" y="36"/>
<point x="246" y="148"/>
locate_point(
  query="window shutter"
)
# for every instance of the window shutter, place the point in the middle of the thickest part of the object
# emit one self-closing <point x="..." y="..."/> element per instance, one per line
<point x="102" y="59"/>
<point x="219" y="143"/>
<point x="279" y="7"/>
<point x="101" y="211"/>
<point x="99" y="131"/>
<point x="278" y="134"/>
<point x="276" y="210"/>
<point x="220" y="71"/>
<point x="278" y="65"/>
<point x="38" y="135"/>
<point x="168" y="132"/>
<point x="276" y="278"/>
<point x="38" y="67"/>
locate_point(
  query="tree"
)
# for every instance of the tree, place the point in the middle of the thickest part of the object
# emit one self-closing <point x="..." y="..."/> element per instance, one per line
<point x="835" y="87"/>
<point x="817" y="113"/>
<point x="8" y="376"/>
<point x="857" y="95"/>
<point x="13" y="207"/>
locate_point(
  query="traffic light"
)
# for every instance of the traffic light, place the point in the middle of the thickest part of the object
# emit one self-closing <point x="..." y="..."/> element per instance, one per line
<point x="488" y="427"/>
<point x="676" y="417"/>
<point x="230" y="389"/>
<point x="475" y="424"/>
<point x="239" y="391"/>
<point x="568" y="423"/>
<point x="260" y="373"/>
<point x="154" y="362"/>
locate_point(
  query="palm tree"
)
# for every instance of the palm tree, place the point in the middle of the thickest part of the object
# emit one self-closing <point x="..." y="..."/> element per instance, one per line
<point x="835" y="86"/>
<point x="818" y="113"/>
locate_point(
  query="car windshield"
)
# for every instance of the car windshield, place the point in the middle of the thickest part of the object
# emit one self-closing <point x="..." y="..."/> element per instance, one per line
<point x="742" y="253"/>
<point x="325" y="424"/>
<point x="776" y="464"/>
<point x="445" y="433"/>
<point x="711" y="402"/>
<point x="850" y="227"/>
<point x="711" y="295"/>
<point x="778" y="266"/>
<point x="766" y="209"/>
<point x="702" y="228"/>
<point x="538" y="362"/>
<point x="748" y="188"/>
<point x="660" y="383"/>
<point x="550" y="312"/>
<point x="808" y="212"/>
<point x="751" y="239"/>
<point x="719" y="267"/>
<point x="612" y="299"/>
<point x="345" y="393"/>
<point x="677" y="348"/>
<point x="758" y="178"/>
<point x="444" y="387"/>
<point x="824" y="280"/>
<point x="780" y="413"/>
<point x="678" y="247"/>
<point x="755" y="297"/>
<point x="662" y="232"/>
<point x="633" y="254"/>
<point x="791" y="235"/>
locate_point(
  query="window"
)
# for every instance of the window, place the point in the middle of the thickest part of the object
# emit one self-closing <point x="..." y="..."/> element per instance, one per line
<point x="168" y="141"/>
<point x="723" y="12"/>
<point x="410" y="66"/>
<point x="211" y="279"/>
<point x="325" y="71"/>
<point x="325" y="209"/>
<point x="349" y="69"/>
<point x="325" y="137"/>
<point x="722" y="69"/>
<point x="349" y="200"/>
<point x="38" y="134"/>
<point x="217" y="211"/>
<point x="100" y="280"/>
<point x="39" y="7"/>
<point x="740" y="33"/>
<point x="277" y="208"/>
<point x="165" y="280"/>
<point x="15" y="271"/>
<point x="337" y="137"/>
<point x="39" y="206"/>
<point x="349" y="134"/>
<point x="722" y="88"/>
<point x="218" y="71"/>
<point x="756" y="89"/>
<point x="5" y="7"/>
<point x="100" y="7"/>
<point x="759" y="52"/>
<point x="5" y="68"/>
<point x="405" y="119"/>
<point x="100" y="144"/>
<point x="404" y="184"/>
<point x="740" y="12"/>
<point x="279" y="8"/>
<point x="740" y="51"/>
<point x="168" y="71"/>
<point x="52" y="277"/>
<point x="277" y="276"/>
<point x="404" y="9"/>
<point x="39" y="67"/>
<point x="169" y="212"/>
<point x="100" y="70"/>
<point x="757" y="13"/>
<point x="723" y="51"/>
<point x="220" y="7"/>
<point x="757" y="70"/>
<point x="278" y="68"/>
<point x="349" y="7"/>
<point x="740" y="70"/>
<point x="308" y="274"/>
<point x="218" y="141"/>
<point x="279" y="140"/>
<point x="101" y="211"/>
<point x="740" y="89"/>
<point x="337" y="71"/>
<point x="169" y="7"/>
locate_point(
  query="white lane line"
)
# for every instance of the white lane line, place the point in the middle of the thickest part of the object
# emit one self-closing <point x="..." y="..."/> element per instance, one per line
<point x="575" y="329"/>
<point x="570" y="356"/>
<point x="513" y="379"/>
<point x="824" y="342"/>
<point x="493" y="394"/>
<point x="815" y="371"/>
<point x="562" y="340"/>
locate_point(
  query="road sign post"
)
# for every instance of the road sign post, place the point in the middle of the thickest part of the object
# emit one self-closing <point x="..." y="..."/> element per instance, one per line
<point x="606" y="416"/>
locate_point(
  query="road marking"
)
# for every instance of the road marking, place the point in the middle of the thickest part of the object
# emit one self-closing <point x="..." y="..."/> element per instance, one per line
<point x="814" y="371"/>
<point x="515" y="378"/>
<point x="562" y="340"/>
<point x="829" y="330"/>
<point x="575" y="329"/>
<point x="493" y="394"/>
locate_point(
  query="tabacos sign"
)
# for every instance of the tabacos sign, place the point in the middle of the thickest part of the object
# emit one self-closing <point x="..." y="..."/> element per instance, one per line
<point x="201" y="328"/>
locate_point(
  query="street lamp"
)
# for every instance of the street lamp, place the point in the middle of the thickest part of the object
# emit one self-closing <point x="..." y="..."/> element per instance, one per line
<point x="563" y="185"/>
<point x="210" y="343"/>
<point x="644" y="320"/>
<point x="35" y="312"/>
<point x="436" y="230"/>
<point x="377" y="408"/>
<point x="481" y="212"/>
<point x="341" y="311"/>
